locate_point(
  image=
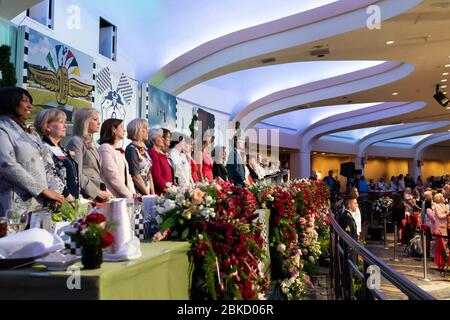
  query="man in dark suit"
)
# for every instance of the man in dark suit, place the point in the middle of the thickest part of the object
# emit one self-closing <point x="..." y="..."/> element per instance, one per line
<point x="346" y="220"/>
<point x="235" y="165"/>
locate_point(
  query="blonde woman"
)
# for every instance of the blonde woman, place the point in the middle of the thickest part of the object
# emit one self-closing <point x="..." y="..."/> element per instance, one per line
<point x="86" y="124"/>
<point x="113" y="165"/>
<point x="441" y="213"/>
<point x="51" y="124"/>
<point x="139" y="161"/>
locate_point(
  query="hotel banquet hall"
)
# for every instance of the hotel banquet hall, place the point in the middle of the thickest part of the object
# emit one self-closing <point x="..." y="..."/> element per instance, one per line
<point x="224" y="150"/>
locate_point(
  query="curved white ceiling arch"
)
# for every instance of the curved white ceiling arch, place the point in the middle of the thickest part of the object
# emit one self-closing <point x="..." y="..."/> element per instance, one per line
<point x="398" y="131"/>
<point x="356" y="118"/>
<point x="429" y="141"/>
<point x="233" y="92"/>
<point x="353" y="136"/>
<point x="336" y="18"/>
<point x="349" y="120"/>
<point x="288" y="100"/>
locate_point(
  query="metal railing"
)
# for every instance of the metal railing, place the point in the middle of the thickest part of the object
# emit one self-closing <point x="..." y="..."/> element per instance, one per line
<point x="344" y="256"/>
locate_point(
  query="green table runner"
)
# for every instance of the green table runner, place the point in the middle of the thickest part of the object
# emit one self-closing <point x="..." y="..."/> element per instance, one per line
<point x="161" y="273"/>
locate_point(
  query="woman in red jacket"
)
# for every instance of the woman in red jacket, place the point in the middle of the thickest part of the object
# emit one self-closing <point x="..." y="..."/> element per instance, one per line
<point x="161" y="169"/>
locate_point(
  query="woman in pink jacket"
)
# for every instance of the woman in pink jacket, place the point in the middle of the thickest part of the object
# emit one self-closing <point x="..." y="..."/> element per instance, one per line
<point x="441" y="213"/>
<point x="113" y="165"/>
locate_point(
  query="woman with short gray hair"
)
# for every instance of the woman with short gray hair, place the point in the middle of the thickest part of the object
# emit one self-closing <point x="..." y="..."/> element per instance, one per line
<point x="86" y="124"/>
<point x="139" y="161"/>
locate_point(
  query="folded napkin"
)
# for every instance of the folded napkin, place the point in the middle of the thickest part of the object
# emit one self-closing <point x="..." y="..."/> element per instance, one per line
<point x="29" y="244"/>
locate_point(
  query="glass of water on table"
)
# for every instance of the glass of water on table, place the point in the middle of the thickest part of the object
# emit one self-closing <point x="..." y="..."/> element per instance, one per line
<point x="17" y="220"/>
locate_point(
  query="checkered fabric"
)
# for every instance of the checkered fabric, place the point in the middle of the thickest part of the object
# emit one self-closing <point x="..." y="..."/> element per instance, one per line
<point x="139" y="225"/>
<point x="73" y="248"/>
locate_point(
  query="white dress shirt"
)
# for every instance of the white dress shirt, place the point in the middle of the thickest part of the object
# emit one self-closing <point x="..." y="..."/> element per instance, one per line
<point x="182" y="167"/>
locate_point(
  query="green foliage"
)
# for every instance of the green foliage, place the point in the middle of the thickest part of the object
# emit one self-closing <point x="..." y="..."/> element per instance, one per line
<point x="324" y="242"/>
<point x="192" y="126"/>
<point x="70" y="211"/>
<point x="209" y="266"/>
<point x="7" y="68"/>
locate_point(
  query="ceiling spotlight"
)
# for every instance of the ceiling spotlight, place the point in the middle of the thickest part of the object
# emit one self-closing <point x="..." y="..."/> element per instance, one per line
<point x="395" y="94"/>
<point x="445" y="74"/>
<point x="440" y="97"/>
<point x="447" y="66"/>
<point x="443" y="87"/>
<point x="444" y="80"/>
<point x="390" y="42"/>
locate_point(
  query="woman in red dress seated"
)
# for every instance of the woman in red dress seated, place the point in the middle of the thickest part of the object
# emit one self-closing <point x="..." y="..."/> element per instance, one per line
<point x="161" y="169"/>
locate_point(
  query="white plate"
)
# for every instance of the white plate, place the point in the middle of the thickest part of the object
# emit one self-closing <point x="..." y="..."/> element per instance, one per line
<point x="58" y="262"/>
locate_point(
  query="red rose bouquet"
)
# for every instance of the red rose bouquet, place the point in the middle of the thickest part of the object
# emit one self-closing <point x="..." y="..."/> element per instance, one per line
<point x="93" y="231"/>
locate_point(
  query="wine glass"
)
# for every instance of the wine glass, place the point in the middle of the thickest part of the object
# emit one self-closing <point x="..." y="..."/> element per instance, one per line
<point x="17" y="220"/>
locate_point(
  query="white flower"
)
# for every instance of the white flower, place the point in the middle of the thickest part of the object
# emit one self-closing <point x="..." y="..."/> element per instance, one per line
<point x="160" y="210"/>
<point x="180" y="197"/>
<point x="159" y="219"/>
<point x="208" y="200"/>
<point x="311" y="259"/>
<point x="200" y="237"/>
<point x="270" y="198"/>
<point x="281" y="248"/>
<point x="169" y="204"/>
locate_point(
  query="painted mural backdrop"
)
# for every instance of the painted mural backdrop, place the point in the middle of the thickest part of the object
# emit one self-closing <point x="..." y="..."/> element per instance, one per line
<point x="185" y="112"/>
<point x="208" y="123"/>
<point x="162" y="109"/>
<point x="57" y="75"/>
<point x="116" y="95"/>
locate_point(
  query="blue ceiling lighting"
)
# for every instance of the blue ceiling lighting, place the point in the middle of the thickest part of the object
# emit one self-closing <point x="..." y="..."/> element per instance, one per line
<point x="232" y="92"/>
<point x="302" y="119"/>
<point x="406" y="142"/>
<point x="167" y="29"/>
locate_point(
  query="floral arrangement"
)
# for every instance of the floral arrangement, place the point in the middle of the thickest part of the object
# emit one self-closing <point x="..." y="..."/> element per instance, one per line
<point x="230" y="254"/>
<point x="220" y="221"/>
<point x="180" y="210"/>
<point x="93" y="231"/>
<point x="381" y="205"/>
<point x="228" y="250"/>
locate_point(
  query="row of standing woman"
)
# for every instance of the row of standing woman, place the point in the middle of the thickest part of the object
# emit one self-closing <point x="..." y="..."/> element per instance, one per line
<point x="37" y="170"/>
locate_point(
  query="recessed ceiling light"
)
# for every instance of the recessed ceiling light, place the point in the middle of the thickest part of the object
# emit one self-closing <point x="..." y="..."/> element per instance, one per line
<point x="445" y="74"/>
<point x="323" y="153"/>
<point x="395" y="94"/>
<point x="445" y="92"/>
<point x="447" y="66"/>
<point x="448" y="108"/>
<point x="444" y="80"/>
<point x="443" y="87"/>
<point x="390" y="42"/>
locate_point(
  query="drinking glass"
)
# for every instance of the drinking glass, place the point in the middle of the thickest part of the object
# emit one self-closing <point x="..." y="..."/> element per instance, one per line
<point x="17" y="220"/>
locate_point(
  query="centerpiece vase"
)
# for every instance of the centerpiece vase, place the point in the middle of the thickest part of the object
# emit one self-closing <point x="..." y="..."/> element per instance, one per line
<point x="91" y="257"/>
